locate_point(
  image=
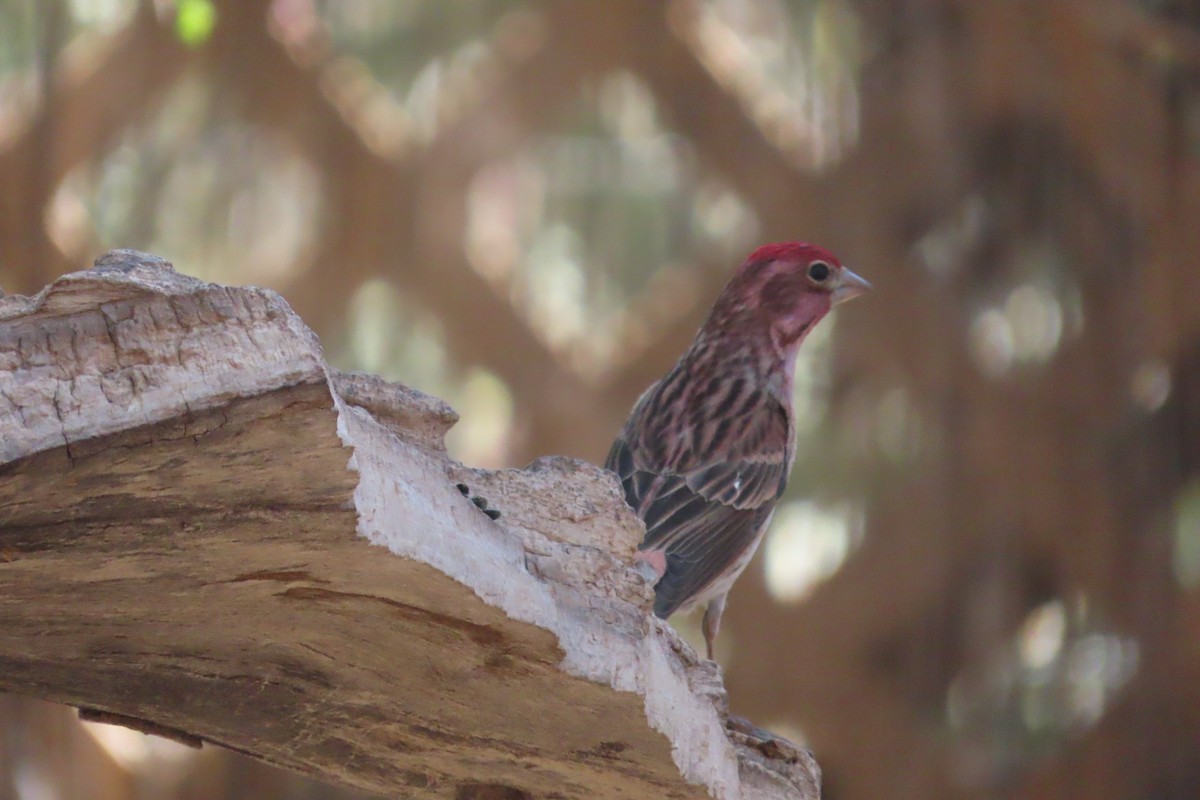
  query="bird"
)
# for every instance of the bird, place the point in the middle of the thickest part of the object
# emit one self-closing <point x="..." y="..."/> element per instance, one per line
<point x="707" y="449"/>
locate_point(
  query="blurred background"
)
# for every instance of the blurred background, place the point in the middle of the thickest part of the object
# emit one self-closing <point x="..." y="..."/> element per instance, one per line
<point x="985" y="581"/>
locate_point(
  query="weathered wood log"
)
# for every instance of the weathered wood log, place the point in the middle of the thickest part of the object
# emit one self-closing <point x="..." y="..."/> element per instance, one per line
<point x="208" y="533"/>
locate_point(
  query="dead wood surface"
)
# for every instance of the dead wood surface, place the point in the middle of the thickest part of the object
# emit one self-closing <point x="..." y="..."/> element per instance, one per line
<point x="207" y="533"/>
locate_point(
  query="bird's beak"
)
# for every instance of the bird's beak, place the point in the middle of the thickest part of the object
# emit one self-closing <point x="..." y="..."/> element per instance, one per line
<point x="849" y="286"/>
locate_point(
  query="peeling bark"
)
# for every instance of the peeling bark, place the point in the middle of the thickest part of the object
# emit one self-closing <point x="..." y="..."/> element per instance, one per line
<point x="207" y="533"/>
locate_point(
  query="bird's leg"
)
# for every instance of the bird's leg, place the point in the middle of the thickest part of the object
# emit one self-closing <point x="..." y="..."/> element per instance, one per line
<point x="712" y="623"/>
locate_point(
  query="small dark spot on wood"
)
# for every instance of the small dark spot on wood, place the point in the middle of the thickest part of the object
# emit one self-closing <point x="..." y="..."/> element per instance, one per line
<point x="281" y="575"/>
<point x="414" y="778"/>
<point x="298" y="670"/>
<point x="482" y="635"/>
<point x="605" y="750"/>
<point x="435" y="735"/>
<point x="498" y="661"/>
<point x="490" y="791"/>
<point x="480" y="502"/>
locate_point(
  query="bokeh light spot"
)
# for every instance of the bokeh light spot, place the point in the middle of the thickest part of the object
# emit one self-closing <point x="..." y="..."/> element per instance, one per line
<point x="486" y="405"/>
<point x="898" y="429"/>
<point x="992" y="342"/>
<point x="1186" y="538"/>
<point x="137" y="751"/>
<point x="1054" y="678"/>
<point x="1151" y="385"/>
<point x="945" y="248"/>
<point x="1042" y="634"/>
<point x="1035" y="319"/>
<point x="102" y="16"/>
<point x="1027" y="328"/>
<point x="810" y="385"/>
<point x="806" y="544"/>
<point x="194" y="21"/>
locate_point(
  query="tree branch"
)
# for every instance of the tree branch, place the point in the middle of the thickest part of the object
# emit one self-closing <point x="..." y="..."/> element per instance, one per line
<point x="207" y="531"/>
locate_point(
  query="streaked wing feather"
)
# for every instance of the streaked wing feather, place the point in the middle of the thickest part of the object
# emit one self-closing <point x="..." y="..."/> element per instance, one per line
<point x="701" y="557"/>
<point x="702" y="513"/>
<point x="741" y="484"/>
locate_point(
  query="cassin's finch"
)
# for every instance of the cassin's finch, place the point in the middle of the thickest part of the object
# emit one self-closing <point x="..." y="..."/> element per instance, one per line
<point x="706" y="452"/>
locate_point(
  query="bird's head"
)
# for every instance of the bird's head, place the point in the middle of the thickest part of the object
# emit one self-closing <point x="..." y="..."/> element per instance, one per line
<point x="786" y="287"/>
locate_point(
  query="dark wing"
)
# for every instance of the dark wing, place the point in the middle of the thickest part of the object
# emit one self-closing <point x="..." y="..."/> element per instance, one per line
<point x="704" y="516"/>
<point x="697" y="561"/>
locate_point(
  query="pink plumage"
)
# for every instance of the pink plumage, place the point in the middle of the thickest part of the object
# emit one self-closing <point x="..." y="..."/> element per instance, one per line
<point x="706" y="452"/>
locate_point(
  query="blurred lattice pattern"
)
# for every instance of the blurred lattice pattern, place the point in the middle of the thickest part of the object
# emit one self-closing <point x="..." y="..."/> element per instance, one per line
<point x="987" y="580"/>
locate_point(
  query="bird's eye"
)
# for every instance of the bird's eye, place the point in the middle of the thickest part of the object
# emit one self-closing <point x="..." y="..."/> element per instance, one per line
<point x="818" y="271"/>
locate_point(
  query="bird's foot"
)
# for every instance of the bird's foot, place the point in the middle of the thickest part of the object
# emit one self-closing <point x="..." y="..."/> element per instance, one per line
<point x="479" y="502"/>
